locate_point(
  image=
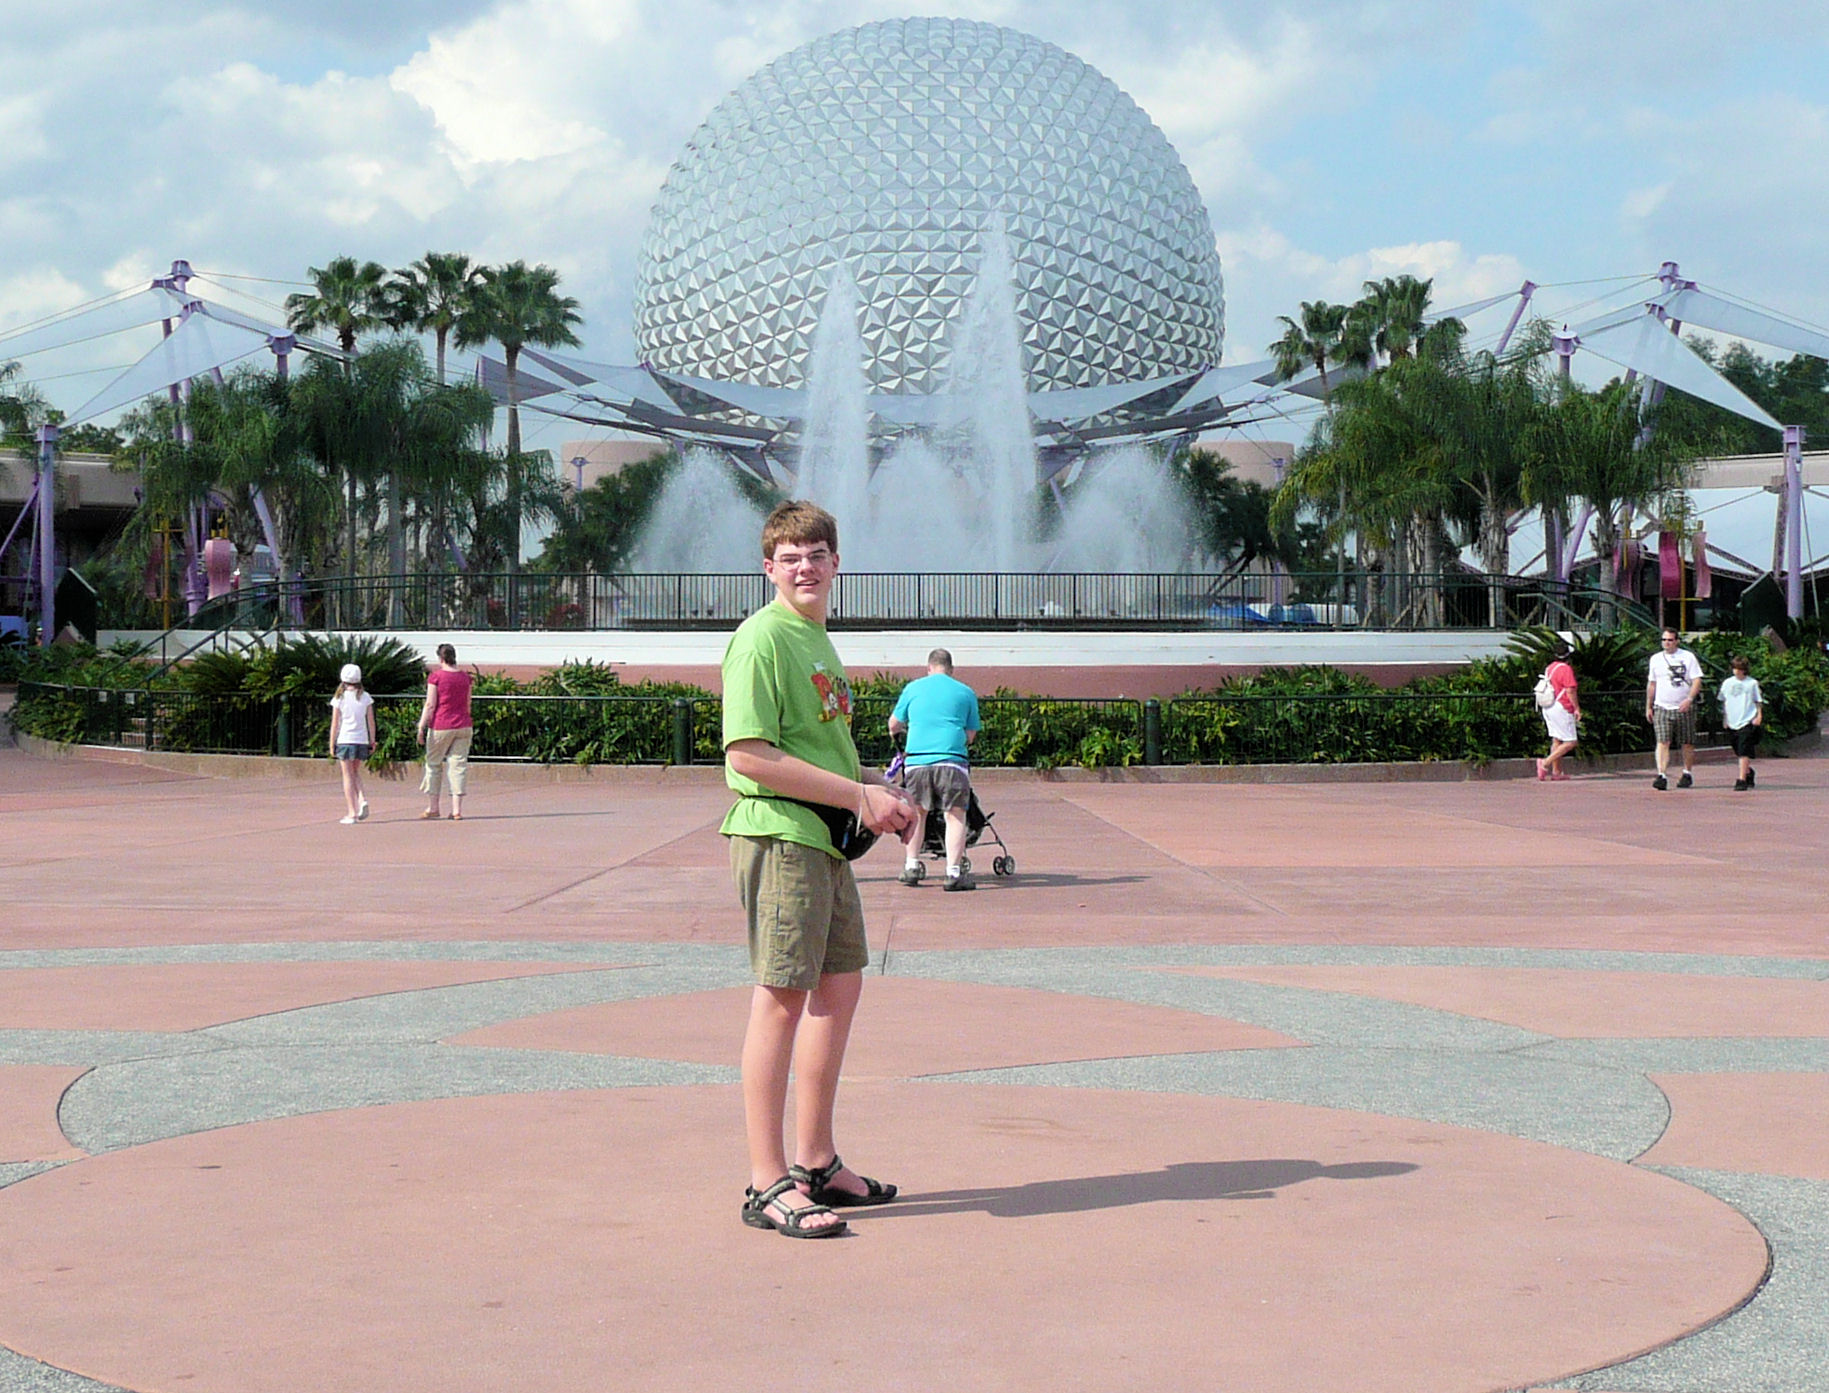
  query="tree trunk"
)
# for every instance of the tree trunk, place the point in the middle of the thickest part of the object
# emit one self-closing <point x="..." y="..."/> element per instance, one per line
<point x="511" y="358"/>
<point x="349" y="598"/>
<point x="396" y="550"/>
<point x="1495" y="557"/>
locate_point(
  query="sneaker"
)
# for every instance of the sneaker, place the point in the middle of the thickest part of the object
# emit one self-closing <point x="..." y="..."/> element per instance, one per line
<point x="1543" y="771"/>
<point x="347" y="820"/>
<point x="912" y="875"/>
<point x="1741" y="785"/>
<point x="362" y="811"/>
<point x="1686" y="781"/>
<point x="1660" y="783"/>
<point x="961" y="881"/>
<point x="1752" y="777"/>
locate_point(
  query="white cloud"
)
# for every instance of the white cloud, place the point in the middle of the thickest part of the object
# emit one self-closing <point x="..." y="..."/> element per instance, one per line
<point x="506" y="87"/>
<point x="21" y="130"/>
<point x="1269" y="275"/>
<point x="269" y="138"/>
<point x="34" y="295"/>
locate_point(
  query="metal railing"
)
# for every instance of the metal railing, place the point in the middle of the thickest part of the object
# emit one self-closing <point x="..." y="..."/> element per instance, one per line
<point x="1217" y="728"/>
<point x="533" y="601"/>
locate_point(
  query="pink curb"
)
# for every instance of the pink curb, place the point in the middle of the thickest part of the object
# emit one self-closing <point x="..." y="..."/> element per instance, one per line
<point x="1768" y="1124"/>
<point x="29" y="1095"/>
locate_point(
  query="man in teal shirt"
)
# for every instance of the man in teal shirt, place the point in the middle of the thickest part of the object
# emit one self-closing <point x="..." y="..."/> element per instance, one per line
<point x="787" y="743"/>
<point x="939" y="715"/>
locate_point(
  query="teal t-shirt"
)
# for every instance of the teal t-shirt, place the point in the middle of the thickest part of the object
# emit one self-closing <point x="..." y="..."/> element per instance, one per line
<point x="783" y="683"/>
<point x="938" y="710"/>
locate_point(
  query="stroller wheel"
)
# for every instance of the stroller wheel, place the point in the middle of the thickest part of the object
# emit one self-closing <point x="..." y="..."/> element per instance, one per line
<point x="1004" y="865"/>
<point x="965" y="863"/>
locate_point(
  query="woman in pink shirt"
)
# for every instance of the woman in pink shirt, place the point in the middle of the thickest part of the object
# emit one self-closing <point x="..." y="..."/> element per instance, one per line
<point x="1561" y="714"/>
<point x="444" y="730"/>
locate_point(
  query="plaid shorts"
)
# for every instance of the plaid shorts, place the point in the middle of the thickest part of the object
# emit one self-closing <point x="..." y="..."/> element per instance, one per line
<point x="1674" y="727"/>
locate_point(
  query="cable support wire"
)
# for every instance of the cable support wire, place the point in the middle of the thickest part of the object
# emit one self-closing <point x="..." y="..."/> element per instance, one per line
<point x="1730" y="502"/>
<point x="86" y="338"/>
<point x="70" y="313"/>
<point x="1568" y="312"/>
<point x="1597" y="280"/>
<point x="81" y="372"/>
<point x="231" y="290"/>
<point x="1784" y="315"/>
<point x="265" y="280"/>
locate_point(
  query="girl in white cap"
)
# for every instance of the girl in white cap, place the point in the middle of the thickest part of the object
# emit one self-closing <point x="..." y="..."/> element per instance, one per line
<point x="352" y="737"/>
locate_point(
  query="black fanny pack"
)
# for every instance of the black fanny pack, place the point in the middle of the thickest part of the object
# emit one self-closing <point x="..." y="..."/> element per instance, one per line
<point x="850" y="838"/>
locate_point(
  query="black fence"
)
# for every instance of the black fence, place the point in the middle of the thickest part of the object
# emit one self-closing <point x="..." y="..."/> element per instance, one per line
<point x="531" y="601"/>
<point x="1023" y="732"/>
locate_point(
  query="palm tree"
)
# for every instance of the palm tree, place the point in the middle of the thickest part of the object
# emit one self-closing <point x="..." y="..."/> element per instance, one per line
<point x="1324" y="334"/>
<point x="432" y="296"/>
<point x="518" y="305"/>
<point x="1395" y="308"/>
<point x="1589" y="446"/>
<point x="348" y="298"/>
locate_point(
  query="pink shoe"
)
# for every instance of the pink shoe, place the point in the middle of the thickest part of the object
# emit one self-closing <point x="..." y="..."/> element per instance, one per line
<point x="1542" y="771"/>
<point x="1558" y="777"/>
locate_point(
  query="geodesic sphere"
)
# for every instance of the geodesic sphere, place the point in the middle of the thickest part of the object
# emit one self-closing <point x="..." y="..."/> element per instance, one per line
<point x="889" y="147"/>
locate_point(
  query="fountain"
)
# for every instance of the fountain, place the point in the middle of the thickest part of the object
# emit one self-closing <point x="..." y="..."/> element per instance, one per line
<point x="957" y="496"/>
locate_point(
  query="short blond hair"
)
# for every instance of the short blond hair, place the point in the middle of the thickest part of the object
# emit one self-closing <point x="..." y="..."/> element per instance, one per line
<point x="801" y="523"/>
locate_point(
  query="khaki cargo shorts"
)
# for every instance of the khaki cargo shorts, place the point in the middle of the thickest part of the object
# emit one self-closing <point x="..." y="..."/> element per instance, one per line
<point x="805" y="918"/>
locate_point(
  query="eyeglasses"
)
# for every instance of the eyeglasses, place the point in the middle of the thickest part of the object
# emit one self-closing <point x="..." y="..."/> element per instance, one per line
<point x="1668" y="640"/>
<point x="791" y="560"/>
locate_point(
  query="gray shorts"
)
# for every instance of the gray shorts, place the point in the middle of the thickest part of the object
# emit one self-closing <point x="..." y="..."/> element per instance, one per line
<point x="938" y="788"/>
<point x="805" y="918"/>
<point x="1674" y="727"/>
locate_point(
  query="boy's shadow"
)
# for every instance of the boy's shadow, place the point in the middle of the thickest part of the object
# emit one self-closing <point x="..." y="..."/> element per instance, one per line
<point x="1183" y="1180"/>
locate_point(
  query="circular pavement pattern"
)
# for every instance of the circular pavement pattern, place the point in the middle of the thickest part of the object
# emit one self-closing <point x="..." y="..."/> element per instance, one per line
<point x="1050" y="1237"/>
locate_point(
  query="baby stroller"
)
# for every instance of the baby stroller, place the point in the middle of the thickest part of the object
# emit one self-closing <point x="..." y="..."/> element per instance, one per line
<point x="977" y="823"/>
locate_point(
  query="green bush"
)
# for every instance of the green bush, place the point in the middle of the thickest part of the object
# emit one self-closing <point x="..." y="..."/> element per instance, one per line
<point x="584" y="713"/>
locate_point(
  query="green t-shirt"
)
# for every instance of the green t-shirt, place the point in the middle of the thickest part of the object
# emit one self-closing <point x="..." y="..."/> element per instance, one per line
<point x="783" y="683"/>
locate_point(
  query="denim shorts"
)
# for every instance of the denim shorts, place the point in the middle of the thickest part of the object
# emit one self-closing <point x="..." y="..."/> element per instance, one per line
<point x="354" y="751"/>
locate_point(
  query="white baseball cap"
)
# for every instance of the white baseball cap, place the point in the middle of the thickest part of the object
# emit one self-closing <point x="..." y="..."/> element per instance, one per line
<point x="350" y="673"/>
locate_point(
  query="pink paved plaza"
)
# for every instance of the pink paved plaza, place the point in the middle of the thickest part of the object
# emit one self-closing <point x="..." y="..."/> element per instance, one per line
<point x="1393" y="1086"/>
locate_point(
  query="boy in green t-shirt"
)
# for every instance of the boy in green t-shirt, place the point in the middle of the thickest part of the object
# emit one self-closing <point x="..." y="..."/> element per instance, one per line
<point x="787" y="736"/>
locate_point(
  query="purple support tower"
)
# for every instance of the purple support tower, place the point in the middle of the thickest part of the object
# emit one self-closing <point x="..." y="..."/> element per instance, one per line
<point x="1565" y="345"/>
<point x="1525" y="291"/>
<point x="1794" y="521"/>
<point x="47" y="534"/>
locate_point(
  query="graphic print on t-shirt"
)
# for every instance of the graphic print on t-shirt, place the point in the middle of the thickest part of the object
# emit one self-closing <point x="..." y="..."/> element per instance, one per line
<point x="834" y="694"/>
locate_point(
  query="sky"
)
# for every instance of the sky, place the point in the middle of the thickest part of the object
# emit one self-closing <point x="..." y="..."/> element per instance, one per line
<point x="1332" y="141"/>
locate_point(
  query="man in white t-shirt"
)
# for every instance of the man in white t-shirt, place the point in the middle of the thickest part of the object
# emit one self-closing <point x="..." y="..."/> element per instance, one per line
<point x="1671" y="689"/>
